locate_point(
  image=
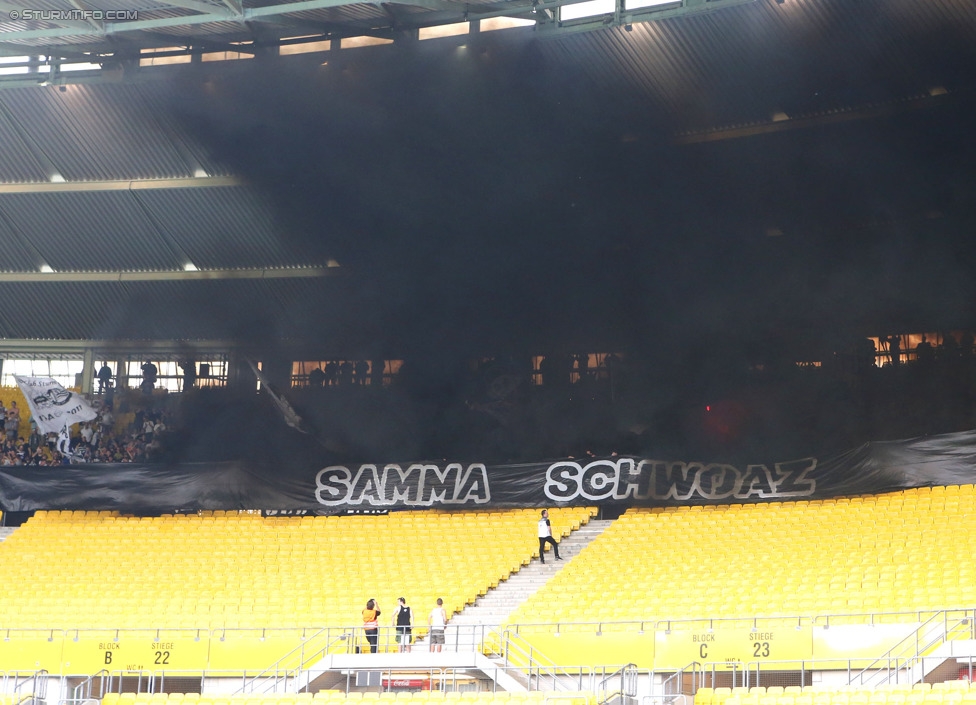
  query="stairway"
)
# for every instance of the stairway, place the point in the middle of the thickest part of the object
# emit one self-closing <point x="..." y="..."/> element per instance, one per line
<point x="6" y="531"/>
<point x="465" y="630"/>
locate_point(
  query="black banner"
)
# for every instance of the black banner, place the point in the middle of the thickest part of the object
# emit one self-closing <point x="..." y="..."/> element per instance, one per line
<point x="873" y="468"/>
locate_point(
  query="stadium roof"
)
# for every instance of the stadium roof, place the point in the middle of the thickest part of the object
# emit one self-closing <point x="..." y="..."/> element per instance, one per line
<point x="658" y="46"/>
<point x="728" y="63"/>
<point x="120" y="201"/>
<point x="115" y="33"/>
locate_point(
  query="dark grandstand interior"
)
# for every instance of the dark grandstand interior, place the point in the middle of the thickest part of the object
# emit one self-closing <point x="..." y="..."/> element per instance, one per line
<point x="502" y="202"/>
<point x="731" y="210"/>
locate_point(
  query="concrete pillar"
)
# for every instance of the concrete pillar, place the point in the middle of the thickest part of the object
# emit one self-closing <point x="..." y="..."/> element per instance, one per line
<point x="87" y="371"/>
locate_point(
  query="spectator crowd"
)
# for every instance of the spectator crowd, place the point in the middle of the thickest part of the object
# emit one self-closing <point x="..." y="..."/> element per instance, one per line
<point x="96" y="441"/>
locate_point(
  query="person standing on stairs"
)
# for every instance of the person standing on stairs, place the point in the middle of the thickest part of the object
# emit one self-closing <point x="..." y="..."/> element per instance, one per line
<point x="545" y="536"/>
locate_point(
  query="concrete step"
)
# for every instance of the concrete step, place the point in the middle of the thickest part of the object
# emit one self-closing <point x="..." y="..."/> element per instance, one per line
<point x="495" y="607"/>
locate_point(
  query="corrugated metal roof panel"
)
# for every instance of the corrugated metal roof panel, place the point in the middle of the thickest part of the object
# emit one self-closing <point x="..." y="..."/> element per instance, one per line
<point x="222" y="309"/>
<point x="836" y="25"/>
<point x="101" y="230"/>
<point x="230" y="30"/>
<point x="67" y="5"/>
<point x="64" y="311"/>
<point x="15" y="254"/>
<point x="17" y="162"/>
<point x="220" y="227"/>
<point x="226" y="309"/>
<point x="342" y="13"/>
<point x="93" y="132"/>
<point x="742" y="63"/>
<point x="214" y="228"/>
<point x="138" y="5"/>
<point x="157" y="98"/>
<point x="42" y="5"/>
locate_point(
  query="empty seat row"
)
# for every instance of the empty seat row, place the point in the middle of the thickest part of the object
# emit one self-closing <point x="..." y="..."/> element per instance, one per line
<point x="243" y="570"/>
<point x="953" y="692"/>
<point x="847" y="556"/>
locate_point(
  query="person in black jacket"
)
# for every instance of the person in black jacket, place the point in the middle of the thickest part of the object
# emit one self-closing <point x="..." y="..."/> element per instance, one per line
<point x="403" y="621"/>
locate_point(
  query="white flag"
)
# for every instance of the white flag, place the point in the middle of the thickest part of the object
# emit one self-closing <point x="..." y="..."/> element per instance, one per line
<point x="52" y="406"/>
<point x="288" y="413"/>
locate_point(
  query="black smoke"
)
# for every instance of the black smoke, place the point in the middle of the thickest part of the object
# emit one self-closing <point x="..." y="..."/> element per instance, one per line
<point x="494" y="201"/>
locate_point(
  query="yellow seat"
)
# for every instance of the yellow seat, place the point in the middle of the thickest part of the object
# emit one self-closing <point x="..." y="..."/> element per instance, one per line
<point x="703" y="696"/>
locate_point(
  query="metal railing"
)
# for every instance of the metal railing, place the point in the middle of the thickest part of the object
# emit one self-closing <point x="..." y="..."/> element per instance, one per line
<point x="758" y="623"/>
<point x="29" y="686"/>
<point x="541" y="672"/>
<point x="674" y="685"/>
<point x="86" y="690"/>
<point x="902" y="659"/>
<point x="468" y="637"/>
<point x="611" y="686"/>
<point x="516" y="655"/>
<point x="751" y="674"/>
<point x="279" y="675"/>
<point x="616" y="688"/>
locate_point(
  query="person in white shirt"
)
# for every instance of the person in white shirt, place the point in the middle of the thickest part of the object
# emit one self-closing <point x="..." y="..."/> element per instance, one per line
<point x="107" y="422"/>
<point x="545" y="536"/>
<point x="437" y="621"/>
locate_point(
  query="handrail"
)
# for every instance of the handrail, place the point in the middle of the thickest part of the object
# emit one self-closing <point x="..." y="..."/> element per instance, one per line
<point x="821" y="620"/>
<point x="38" y="689"/>
<point x="694" y="623"/>
<point x="933" y="628"/>
<point x="274" y="673"/>
<point x="528" y="660"/>
<point x="83" y="691"/>
<point x="678" y="677"/>
<point x="907" y="651"/>
<point x="627" y="676"/>
<point x="538" y="664"/>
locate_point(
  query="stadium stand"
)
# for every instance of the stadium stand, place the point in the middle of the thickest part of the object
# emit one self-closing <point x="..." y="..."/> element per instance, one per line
<point x="231" y="570"/>
<point x="124" y="441"/>
<point x="863" y="562"/>
<point x="13" y="394"/>
<point x="860" y="560"/>
<point x="847" y="556"/>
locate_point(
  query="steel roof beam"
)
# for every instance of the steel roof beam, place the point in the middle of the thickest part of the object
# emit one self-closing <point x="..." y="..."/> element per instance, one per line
<point x="32" y="346"/>
<point x="439" y="12"/>
<point x="303" y="26"/>
<point x="170" y="275"/>
<point x="681" y="8"/>
<point x="204" y="17"/>
<point x="204" y="7"/>
<point x="94" y="24"/>
<point x="138" y="185"/>
<point x="435" y="5"/>
<point x="212" y="14"/>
